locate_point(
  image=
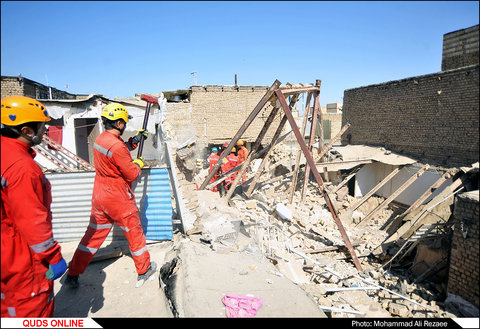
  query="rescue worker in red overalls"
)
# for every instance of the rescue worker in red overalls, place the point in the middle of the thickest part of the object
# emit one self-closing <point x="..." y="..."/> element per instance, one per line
<point x="242" y="156"/>
<point x="212" y="161"/>
<point x="230" y="162"/>
<point x="113" y="200"/>
<point x="31" y="258"/>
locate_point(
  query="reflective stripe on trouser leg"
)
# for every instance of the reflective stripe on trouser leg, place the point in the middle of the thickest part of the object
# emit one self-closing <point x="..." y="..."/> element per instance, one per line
<point x="37" y="306"/>
<point x="97" y="232"/>
<point x="132" y="228"/>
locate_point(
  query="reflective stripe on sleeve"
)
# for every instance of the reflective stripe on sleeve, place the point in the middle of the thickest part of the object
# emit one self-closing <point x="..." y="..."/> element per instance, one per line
<point x="139" y="252"/>
<point x="87" y="249"/>
<point x="42" y="246"/>
<point x="4" y="182"/>
<point x="102" y="150"/>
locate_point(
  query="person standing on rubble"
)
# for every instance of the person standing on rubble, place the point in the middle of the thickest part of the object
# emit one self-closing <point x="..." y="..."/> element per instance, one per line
<point x="113" y="200"/>
<point x="212" y="161"/>
<point x="31" y="258"/>
<point x="242" y="156"/>
<point x="228" y="163"/>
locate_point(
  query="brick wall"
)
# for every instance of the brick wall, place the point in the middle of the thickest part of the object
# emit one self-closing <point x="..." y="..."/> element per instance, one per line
<point x="433" y="117"/>
<point x="464" y="259"/>
<point x="460" y="48"/>
<point x="15" y="86"/>
<point x="217" y="113"/>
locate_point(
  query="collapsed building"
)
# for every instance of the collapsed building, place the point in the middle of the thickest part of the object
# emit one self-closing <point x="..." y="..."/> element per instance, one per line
<point x="373" y="214"/>
<point x="406" y="169"/>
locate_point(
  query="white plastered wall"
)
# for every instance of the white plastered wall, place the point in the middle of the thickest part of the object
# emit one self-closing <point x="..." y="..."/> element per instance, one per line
<point x="371" y="174"/>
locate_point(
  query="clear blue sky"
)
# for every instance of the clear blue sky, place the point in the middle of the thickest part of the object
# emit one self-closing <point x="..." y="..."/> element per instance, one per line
<point x="122" y="48"/>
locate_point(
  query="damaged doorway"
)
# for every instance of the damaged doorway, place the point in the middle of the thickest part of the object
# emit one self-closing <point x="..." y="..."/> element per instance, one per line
<point x="86" y="131"/>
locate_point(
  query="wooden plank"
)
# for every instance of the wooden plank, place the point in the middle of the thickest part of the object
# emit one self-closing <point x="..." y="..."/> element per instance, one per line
<point x="329" y="145"/>
<point x="412" y="225"/>
<point x="373" y="190"/>
<point x="332" y="248"/>
<point x="402" y="188"/>
<point x="254" y="157"/>
<point x="265" y="159"/>
<point x="427" y="193"/>
<point x="299" y="152"/>
<point x="338" y="165"/>
<point x="310" y="161"/>
<point x="345" y="181"/>
<point x="245" y="125"/>
<point x="255" y="148"/>
<point x="313" y="129"/>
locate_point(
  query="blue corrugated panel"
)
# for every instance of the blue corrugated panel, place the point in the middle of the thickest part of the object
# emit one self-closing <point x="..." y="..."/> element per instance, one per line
<point x="156" y="211"/>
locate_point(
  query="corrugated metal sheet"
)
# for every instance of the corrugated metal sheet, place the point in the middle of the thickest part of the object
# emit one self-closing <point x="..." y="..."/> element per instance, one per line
<point x="72" y="197"/>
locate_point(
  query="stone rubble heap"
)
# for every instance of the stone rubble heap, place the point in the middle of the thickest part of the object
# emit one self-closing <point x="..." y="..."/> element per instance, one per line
<point x="303" y="242"/>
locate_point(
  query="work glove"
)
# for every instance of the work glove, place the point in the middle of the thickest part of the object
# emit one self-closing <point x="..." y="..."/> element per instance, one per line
<point x="139" y="162"/>
<point x="137" y="138"/>
<point x="56" y="270"/>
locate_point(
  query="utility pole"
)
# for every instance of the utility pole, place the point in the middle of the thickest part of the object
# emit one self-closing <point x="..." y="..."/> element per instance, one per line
<point x="194" y="74"/>
<point x="49" y="88"/>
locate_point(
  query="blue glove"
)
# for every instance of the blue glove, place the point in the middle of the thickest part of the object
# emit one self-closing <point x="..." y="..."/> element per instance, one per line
<point x="56" y="270"/>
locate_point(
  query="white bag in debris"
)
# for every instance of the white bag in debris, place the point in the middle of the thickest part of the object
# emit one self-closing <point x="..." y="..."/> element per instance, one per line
<point x="283" y="212"/>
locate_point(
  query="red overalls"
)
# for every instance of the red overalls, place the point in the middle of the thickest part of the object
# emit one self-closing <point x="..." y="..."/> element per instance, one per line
<point x="27" y="240"/>
<point x="212" y="161"/>
<point x="113" y="201"/>
<point x="242" y="156"/>
<point x="232" y="163"/>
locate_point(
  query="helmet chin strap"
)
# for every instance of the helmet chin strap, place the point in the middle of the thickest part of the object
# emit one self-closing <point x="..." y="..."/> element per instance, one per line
<point x="120" y="130"/>
<point x="36" y="138"/>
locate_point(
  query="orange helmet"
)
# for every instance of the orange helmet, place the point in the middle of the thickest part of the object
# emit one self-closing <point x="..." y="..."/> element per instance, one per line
<point x="17" y="110"/>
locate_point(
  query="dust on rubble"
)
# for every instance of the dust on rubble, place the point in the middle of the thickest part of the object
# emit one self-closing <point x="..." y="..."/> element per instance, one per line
<point x="326" y="271"/>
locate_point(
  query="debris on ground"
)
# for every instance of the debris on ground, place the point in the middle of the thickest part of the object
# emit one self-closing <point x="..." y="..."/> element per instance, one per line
<point x="303" y="242"/>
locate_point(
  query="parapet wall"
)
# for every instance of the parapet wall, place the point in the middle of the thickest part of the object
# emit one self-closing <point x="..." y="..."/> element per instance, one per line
<point x="433" y="117"/>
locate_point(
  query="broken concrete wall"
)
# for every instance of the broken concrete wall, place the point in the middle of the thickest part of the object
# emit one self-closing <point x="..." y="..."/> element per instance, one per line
<point x="464" y="259"/>
<point x="434" y="117"/>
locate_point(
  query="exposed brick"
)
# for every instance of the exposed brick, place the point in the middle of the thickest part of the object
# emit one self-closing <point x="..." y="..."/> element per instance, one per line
<point x="463" y="277"/>
<point x="432" y="117"/>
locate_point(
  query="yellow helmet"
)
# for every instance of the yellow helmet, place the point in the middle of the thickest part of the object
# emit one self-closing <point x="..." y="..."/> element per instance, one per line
<point x="17" y="110"/>
<point x="239" y="143"/>
<point x="115" y="111"/>
<point x="233" y="150"/>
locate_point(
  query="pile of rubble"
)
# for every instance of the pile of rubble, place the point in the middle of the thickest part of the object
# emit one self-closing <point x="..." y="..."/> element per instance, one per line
<point x="303" y="242"/>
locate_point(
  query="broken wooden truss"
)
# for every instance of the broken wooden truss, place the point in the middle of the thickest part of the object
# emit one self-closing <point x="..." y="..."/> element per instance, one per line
<point x="277" y="94"/>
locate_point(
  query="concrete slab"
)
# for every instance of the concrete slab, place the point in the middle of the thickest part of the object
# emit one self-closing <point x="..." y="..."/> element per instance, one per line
<point x="201" y="278"/>
<point x="107" y="287"/>
<point x="204" y="276"/>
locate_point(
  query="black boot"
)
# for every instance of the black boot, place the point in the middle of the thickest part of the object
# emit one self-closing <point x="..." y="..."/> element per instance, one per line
<point x="144" y="277"/>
